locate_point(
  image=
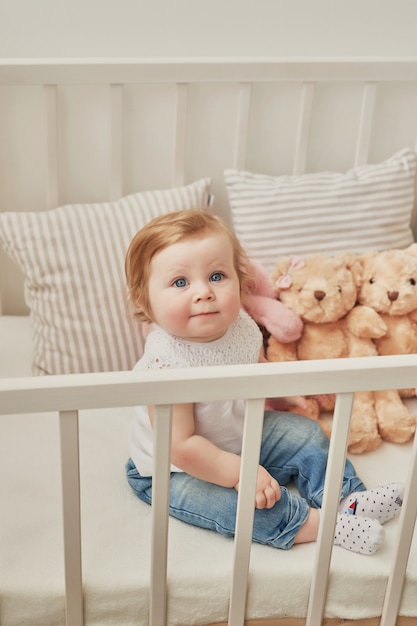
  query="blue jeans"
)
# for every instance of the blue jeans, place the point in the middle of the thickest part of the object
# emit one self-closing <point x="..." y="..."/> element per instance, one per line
<point x="294" y="448"/>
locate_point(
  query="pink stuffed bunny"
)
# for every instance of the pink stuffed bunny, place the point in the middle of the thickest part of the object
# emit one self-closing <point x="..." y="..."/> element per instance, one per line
<point x="264" y="307"/>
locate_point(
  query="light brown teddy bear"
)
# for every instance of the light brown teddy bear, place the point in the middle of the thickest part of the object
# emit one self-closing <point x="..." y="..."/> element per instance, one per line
<point x="322" y="291"/>
<point x="388" y="284"/>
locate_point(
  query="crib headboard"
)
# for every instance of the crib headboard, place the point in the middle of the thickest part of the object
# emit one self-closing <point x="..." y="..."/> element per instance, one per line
<point x="89" y="130"/>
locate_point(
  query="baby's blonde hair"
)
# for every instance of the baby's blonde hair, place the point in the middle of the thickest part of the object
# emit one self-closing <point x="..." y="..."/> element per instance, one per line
<point x="164" y="231"/>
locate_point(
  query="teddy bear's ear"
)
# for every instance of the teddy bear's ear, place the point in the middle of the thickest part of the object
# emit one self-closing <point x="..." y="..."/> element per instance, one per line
<point x="348" y="257"/>
<point x="412" y="249"/>
<point x="368" y="256"/>
<point x="281" y="268"/>
<point x="355" y="265"/>
<point x="359" y="265"/>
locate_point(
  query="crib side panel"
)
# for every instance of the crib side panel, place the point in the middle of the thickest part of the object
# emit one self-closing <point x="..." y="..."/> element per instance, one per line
<point x="169" y="386"/>
<point x="107" y="129"/>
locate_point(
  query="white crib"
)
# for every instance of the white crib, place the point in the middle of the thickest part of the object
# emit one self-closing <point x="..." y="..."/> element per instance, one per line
<point x="119" y="126"/>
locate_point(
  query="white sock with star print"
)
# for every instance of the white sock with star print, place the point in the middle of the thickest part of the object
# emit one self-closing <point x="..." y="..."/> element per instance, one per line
<point x="381" y="503"/>
<point x="358" y="534"/>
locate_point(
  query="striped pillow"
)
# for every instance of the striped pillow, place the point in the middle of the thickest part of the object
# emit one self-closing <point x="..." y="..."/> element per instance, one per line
<point x="367" y="208"/>
<point x="73" y="261"/>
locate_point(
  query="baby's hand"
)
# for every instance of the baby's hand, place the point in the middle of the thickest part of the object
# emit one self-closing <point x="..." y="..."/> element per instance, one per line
<point x="268" y="491"/>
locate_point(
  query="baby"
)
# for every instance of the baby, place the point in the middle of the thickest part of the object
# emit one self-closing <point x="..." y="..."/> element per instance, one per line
<point x="186" y="273"/>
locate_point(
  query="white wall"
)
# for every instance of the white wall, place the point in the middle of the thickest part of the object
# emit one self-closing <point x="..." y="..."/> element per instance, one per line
<point x="72" y="28"/>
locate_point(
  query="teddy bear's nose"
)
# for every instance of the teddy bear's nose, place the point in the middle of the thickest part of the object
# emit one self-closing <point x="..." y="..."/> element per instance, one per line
<point x="393" y="295"/>
<point x="319" y="295"/>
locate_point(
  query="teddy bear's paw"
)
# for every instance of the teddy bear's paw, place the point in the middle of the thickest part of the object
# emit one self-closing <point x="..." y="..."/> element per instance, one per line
<point x="277" y="351"/>
<point x="395" y="422"/>
<point x="397" y="434"/>
<point x="363" y="442"/>
<point x="398" y="430"/>
<point x="363" y="321"/>
<point x="407" y="393"/>
<point x="363" y="434"/>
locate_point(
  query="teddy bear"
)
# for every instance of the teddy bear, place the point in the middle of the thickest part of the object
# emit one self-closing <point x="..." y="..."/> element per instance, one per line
<point x="322" y="291"/>
<point x="388" y="284"/>
<point x="277" y="320"/>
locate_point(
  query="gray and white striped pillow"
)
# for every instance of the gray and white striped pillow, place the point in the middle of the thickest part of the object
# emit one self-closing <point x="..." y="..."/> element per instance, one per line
<point x="72" y="258"/>
<point x="367" y="208"/>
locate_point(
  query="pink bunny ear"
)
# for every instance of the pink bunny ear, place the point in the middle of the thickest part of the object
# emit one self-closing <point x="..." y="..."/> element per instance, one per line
<point x="296" y="262"/>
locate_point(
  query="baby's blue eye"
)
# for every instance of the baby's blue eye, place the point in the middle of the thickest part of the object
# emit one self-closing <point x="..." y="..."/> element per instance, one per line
<point x="180" y="282"/>
<point x="216" y="277"/>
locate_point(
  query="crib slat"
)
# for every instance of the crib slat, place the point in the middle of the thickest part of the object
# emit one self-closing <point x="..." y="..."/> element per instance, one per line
<point x="245" y="509"/>
<point x="303" y="130"/>
<point x="405" y="536"/>
<point x="70" y="469"/>
<point x="52" y="171"/>
<point x="180" y="136"/>
<point x="242" y="125"/>
<point x="365" y="123"/>
<point x="160" y="503"/>
<point x="116" y="163"/>
<point x="413" y="219"/>
<point x="332" y="487"/>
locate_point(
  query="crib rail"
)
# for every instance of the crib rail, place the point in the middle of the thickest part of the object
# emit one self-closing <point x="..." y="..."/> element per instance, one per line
<point x="69" y="394"/>
<point x="202" y="69"/>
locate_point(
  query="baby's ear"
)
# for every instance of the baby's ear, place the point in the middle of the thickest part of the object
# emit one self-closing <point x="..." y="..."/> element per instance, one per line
<point x="138" y="302"/>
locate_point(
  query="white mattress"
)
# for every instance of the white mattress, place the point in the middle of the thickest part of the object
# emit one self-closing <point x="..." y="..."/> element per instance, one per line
<point x="116" y="533"/>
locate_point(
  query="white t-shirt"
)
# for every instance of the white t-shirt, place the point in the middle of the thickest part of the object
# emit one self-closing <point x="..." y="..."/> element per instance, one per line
<point x="220" y="422"/>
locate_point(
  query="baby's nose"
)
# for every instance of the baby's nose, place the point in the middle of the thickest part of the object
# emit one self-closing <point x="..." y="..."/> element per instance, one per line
<point x="203" y="292"/>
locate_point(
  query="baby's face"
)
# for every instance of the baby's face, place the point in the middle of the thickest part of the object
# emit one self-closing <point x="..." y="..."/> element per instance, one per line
<point x="194" y="289"/>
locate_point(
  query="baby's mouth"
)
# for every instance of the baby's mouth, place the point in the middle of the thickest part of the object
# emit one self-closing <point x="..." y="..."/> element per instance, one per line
<point x="204" y="314"/>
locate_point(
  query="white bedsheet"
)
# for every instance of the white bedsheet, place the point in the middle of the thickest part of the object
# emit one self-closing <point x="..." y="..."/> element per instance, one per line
<point x="116" y="533"/>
